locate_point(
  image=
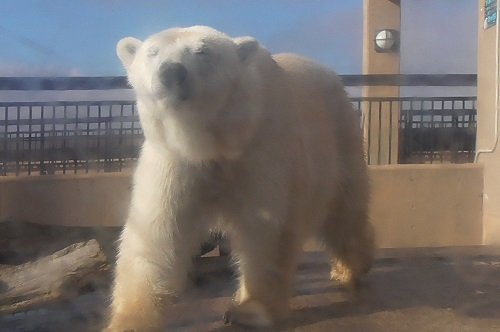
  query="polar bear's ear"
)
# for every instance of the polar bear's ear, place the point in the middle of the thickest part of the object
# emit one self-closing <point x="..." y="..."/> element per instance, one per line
<point x="247" y="47"/>
<point x="126" y="50"/>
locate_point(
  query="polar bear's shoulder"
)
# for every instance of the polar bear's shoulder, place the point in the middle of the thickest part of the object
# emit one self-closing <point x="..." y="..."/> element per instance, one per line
<point x="305" y="72"/>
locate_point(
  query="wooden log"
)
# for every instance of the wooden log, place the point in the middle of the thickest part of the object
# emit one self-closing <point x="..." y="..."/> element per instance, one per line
<point x="21" y="242"/>
<point x="64" y="275"/>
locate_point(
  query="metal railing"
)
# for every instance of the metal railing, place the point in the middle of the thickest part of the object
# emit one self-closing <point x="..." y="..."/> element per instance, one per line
<point x="104" y="136"/>
<point x="418" y="130"/>
<point x="62" y="137"/>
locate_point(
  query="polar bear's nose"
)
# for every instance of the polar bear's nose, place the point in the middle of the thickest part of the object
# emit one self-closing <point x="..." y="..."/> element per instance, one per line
<point x="172" y="74"/>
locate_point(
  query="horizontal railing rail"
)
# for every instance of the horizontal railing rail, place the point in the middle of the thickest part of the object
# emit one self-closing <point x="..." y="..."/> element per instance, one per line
<point x="121" y="82"/>
<point x="410" y="80"/>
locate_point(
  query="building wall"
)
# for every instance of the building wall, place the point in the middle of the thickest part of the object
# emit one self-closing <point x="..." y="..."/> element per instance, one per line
<point x="487" y="87"/>
<point x="70" y="200"/>
<point x="412" y="205"/>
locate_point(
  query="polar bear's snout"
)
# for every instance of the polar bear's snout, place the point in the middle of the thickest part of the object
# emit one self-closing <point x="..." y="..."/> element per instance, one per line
<point x="174" y="78"/>
<point x="172" y="74"/>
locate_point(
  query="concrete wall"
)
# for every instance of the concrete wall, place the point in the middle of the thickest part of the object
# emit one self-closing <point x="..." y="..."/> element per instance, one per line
<point x="412" y="205"/>
<point x="72" y="200"/>
<point x="427" y="205"/>
<point x="487" y="138"/>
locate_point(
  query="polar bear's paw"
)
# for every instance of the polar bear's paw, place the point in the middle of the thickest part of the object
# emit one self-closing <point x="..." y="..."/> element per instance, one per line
<point x="133" y="325"/>
<point x="341" y="273"/>
<point x="250" y="313"/>
<point x="131" y="328"/>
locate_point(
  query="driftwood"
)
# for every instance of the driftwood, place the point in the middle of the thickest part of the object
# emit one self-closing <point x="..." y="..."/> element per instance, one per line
<point x="21" y="242"/>
<point x="42" y="266"/>
<point x="64" y="275"/>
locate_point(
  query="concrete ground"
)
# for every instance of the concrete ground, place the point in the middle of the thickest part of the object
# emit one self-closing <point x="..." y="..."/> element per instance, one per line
<point x="448" y="289"/>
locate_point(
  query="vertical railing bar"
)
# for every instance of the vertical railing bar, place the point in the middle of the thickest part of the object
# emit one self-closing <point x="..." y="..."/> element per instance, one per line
<point x="410" y="132"/>
<point x="421" y="124"/>
<point x="30" y="133"/>
<point x="120" y="140"/>
<point x="379" y="139"/>
<point x="65" y="137"/>
<point x="42" y="140"/>
<point x="5" y="145"/>
<point x="53" y="165"/>
<point x="87" y="108"/>
<point x="390" y="131"/>
<point x="433" y="131"/>
<point x="99" y="138"/>
<point x="369" y="131"/>
<point x="443" y="125"/>
<point x="76" y="144"/>
<point x="18" y="115"/>
<point x="108" y="161"/>
<point x="454" y="120"/>
<point x="474" y="126"/>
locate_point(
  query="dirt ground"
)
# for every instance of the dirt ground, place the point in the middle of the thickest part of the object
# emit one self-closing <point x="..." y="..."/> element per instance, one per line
<point x="447" y="289"/>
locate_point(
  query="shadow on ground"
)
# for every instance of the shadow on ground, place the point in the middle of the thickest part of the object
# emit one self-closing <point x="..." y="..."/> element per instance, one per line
<point x="428" y="292"/>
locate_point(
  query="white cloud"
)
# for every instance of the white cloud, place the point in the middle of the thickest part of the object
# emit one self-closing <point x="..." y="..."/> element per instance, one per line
<point x="71" y="95"/>
<point x="23" y="70"/>
<point x="9" y="69"/>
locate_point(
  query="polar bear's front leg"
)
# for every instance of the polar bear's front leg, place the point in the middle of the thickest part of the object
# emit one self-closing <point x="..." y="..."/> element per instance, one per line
<point x="267" y="260"/>
<point x="135" y="304"/>
<point x="150" y="273"/>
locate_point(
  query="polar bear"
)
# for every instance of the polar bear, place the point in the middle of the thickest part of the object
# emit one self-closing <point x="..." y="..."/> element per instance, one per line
<point x="266" y="148"/>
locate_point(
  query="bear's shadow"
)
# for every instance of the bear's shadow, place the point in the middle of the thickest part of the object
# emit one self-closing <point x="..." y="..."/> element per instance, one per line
<point x="468" y="287"/>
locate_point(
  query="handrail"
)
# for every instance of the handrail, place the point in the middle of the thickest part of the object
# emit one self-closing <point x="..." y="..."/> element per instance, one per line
<point x="410" y="80"/>
<point x="121" y="82"/>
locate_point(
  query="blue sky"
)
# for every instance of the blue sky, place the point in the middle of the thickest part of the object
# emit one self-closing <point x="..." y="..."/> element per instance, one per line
<point x="78" y="37"/>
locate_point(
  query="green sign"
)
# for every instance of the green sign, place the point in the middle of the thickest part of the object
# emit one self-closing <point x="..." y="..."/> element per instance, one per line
<point x="490" y="13"/>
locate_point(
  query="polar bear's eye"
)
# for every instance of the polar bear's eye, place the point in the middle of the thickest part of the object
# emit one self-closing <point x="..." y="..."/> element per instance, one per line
<point x="153" y="51"/>
<point x="201" y="51"/>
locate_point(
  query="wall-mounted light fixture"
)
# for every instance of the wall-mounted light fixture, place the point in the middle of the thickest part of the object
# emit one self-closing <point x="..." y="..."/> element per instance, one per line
<point x="387" y="41"/>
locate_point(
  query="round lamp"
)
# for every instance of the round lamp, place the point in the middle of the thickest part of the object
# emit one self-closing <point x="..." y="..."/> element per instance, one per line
<point x="387" y="40"/>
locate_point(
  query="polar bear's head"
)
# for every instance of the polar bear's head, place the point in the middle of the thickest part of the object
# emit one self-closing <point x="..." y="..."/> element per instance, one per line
<point x="196" y="88"/>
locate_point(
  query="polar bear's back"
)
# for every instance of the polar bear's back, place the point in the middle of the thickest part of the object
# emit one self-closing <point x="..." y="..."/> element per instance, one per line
<point x="323" y="109"/>
<point x="305" y="71"/>
<point x="328" y="144"/>
<point x="310" y="81"/>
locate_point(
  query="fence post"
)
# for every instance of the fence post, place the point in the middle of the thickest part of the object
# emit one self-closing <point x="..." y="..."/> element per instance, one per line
<point x="383" y="119"/>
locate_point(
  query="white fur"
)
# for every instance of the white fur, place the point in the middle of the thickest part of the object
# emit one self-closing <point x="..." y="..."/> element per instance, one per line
<point x="267" y="148"/>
